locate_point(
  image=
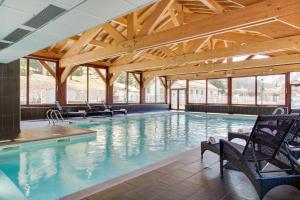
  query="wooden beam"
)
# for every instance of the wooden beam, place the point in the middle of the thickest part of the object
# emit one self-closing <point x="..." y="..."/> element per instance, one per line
<point x="162" y="81"/>
<point x="113" y="78"/>
<point x="256" y="14"/>
<point x="103" y="78"/>
<point x="209" y="68"/>
<point x="213" y="5"/>
<point x="118" y="37"/>
<point x="255" y="48"/>
<point x="135" y="77"/>
<point x="48" y="68"/>
<point x="238" y="73"/>
<point x="65" y="74"/>
<point x="85" y="39"/>
<point x="146" y="81"/>
<point x="132" y="25"/>
<point x="92" y="42"/>
<point x="153" y="20"/>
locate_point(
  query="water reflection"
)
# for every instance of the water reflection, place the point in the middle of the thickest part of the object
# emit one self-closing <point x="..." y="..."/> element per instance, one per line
<point x="121" y="145"/>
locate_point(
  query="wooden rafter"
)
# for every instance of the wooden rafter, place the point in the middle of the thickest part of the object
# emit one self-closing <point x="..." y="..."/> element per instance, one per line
<point x="208" y="68"/>
<point x="48" y="68"/>
<point x="255" y="48"/>
<point x="155" y="17"/>
<point x="260" y="13"/>
<point x="213" y="5"/>
<point x="238" y="73"/>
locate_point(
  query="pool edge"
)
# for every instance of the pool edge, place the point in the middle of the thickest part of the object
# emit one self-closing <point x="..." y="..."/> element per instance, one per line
<point x="125" y="177"/>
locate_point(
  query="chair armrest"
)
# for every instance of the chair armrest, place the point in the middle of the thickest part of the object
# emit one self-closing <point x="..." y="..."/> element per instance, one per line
<point x="227" y="149"/>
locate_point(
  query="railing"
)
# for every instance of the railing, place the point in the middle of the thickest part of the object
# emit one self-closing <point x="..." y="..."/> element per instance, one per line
<point x="54" y="116"/>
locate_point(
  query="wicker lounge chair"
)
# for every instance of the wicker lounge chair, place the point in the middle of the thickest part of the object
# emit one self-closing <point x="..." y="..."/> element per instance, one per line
<point x="264" y="145"/>
<point x="92" y="111"/>
<point x="66" y="113"/>
<point x="121" y="110"/>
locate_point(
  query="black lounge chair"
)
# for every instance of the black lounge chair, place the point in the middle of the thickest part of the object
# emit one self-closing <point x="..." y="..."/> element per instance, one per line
<point x="92" y="111"/>
<point x="121" y="110"/>
<point x="66" y="113"/>
<point x="268" y="137"/>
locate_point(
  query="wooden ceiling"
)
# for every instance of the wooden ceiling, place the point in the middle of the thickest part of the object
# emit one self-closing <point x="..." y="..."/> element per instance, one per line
<point x="190" y="39"/>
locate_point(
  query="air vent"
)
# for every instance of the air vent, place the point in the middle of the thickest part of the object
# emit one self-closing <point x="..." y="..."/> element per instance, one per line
<point x="3" y="45"/>
<point x="16" y="35"/>
<point x="44" y="16"/>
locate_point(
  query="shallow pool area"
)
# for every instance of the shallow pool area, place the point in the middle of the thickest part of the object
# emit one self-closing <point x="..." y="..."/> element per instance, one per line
<point x="121" y="145"/>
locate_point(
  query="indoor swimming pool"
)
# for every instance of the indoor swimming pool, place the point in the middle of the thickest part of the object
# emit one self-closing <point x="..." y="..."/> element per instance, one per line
<point x="50" y="170"/>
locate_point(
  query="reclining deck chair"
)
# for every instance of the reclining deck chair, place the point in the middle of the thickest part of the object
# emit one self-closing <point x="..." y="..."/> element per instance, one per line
<point x="95" y="111"/>
<point x="66" y="113"/>
<point x="266" y="141"/>
<point x="121" y="110"/>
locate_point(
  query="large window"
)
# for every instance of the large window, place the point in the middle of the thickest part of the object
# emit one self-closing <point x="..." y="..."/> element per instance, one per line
<point x="271" y="90"/>
<point x="86" y="84"/>
<point x="97" y="85"/>
<point x="134" y="87"/>
<point x="119" y="89"/>
<point x="295" y="89"/>
<point x="42" y="82"/>
<point x="217" y="91"/>
<point x="77" y="86"/>
<point x="160" y="90"/>
<point x="155" y="91"/>
<point x="243" y="90"/>
<point x="23" y="81"/>
<point x="37" y="82"/>
<point x="150" y="92"/>
<point x="197" y="91"/>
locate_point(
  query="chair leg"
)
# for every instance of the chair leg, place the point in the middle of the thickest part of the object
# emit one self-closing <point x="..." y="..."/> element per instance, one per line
<point x="221" y="166"/>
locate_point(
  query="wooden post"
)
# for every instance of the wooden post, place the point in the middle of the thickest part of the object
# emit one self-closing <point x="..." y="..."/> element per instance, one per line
<point x="109" y="89"/>
<point x="288" y="96"/>
<point x="229" y="88"/>
<point x="61" y="92"/>
<point x="142" y="90"/>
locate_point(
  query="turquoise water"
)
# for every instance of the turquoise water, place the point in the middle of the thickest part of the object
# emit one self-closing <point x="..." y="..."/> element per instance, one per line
<point x="121" y="145"/>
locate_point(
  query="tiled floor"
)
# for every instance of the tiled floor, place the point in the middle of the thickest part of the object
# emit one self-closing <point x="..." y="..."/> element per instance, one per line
<point x="40" y="130"/>
<point x="191" y="179"/>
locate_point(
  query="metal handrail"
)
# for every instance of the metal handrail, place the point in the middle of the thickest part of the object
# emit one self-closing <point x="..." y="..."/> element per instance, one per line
<point x="54" y="116"/>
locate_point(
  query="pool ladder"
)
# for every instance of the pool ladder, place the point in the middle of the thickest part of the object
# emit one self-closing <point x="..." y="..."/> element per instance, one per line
<point x="54" y="116"/>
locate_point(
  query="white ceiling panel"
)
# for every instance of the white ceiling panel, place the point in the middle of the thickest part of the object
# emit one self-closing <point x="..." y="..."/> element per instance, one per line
<point x="81" y="20"/>
<point x="11" y="19"/>
<point x="106" y="10"/>
<point x="28" y="6"/>
<point x="140" y="3"/>
<point x="66" y="4"/>
<point x="80" y="16"/>
<point x="20" y="49"/>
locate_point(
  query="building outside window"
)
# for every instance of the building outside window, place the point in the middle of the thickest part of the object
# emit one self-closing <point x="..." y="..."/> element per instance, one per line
<point x="217" y="91"/>
<point x="243" y="90"/>
<point x="271" y="90"/>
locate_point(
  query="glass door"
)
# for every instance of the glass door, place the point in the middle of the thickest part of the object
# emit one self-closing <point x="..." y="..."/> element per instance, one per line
<point x="181" y="99"/>
<point x="178" y="99"/>
<point x="174" y="99"/>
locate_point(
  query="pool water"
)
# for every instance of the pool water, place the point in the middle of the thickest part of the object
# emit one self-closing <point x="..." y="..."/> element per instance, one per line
<point x="121" y="145"/>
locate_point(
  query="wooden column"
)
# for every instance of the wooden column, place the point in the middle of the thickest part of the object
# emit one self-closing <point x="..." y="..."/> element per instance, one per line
<point x="142" y="90"/>
<point x="61" y="88"/>
<point x="109" y="89"/>
<point x="187" y="92"/>
<point x="288" y="92"/>
<point x="229" y="95"/>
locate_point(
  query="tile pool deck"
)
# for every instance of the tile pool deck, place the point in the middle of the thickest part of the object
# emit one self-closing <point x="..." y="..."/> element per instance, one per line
<point x="34" y="131"/>
<point x="191" y="179"/>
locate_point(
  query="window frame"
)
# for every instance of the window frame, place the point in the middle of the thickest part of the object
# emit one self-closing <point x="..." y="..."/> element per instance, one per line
<point x="27" y="104"/>
<point x="155" y="91"/>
